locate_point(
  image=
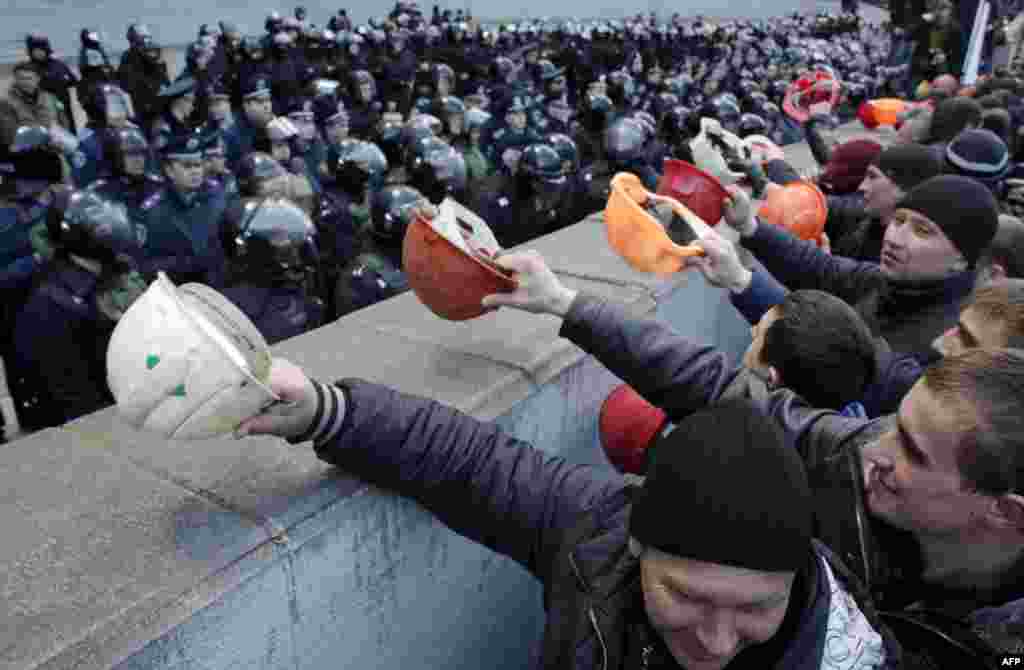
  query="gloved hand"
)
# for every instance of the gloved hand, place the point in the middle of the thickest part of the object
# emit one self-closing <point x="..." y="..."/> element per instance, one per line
<point x="294" y="414"/>
<point x="720" y="264"/>
<point x="539" y="290"/>
<point x="739" y="212"/>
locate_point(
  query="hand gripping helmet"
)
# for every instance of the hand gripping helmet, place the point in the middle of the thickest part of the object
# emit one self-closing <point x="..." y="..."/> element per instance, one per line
<point x="255" y="169"/>
<point x="567" y="150"/>
<point x="391" y="211"/>
<point x="270" y="239"/>
<point x="440" y="174"/>
<point x="86" y="224"/>
<point x="119" y="143"/>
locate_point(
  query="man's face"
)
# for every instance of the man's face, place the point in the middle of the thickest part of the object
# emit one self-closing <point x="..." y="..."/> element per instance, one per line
<point x="911" y="479"/>
<point x="915" y="248"/>
<point x="972" y="331"/>
<point x="707" y="613"/>
<point x="259" y="111"/>
<point x="38" y="55"/>
<point x="752" y="359"/>
<point x="185" y="175"/>
<point x="455" y="125"/>
<point x="444" y="86"/>
<point x="516" y="120"/>
<point x="26" y="81"/>
<point x="366" y="92"/>
<point x="880" y="193"/>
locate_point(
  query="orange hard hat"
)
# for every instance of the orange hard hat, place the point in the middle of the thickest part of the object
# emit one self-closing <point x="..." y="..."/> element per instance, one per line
<point x="628" y="425"/>
<point x="639" y="238"/>
<point x="881" y="112"/>
<point x="799" y="206"/>
<point x="449" y="262"/>
<point x="699" y="191"/>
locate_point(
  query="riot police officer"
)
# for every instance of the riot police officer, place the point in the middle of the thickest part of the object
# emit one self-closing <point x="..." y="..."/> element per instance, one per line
<point x="375" y="273"/>
<point x="177" y="102"/>
<point x="108" y="107"/>
<point x="142" y="73"/>
<point x="129" y="183"/>
<point x="508" y="142"/>
<point x="55" y="76"/>
<point x="345" y="211"/>
<point x="533" y="202"/>
<point x="271" y="250"/>
<point x="181" y="219"/>
<point x="61" y="334"/>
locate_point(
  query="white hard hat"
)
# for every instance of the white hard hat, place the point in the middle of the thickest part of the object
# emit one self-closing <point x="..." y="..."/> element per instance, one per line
<point x="185" y="363"/>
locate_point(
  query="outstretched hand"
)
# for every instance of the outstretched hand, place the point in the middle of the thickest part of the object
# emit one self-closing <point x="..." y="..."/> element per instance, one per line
<point x="293" y="415"/>
<point x="539" y="290"/>
<point x="739" y="212"/>
<point x="720" y="263"/>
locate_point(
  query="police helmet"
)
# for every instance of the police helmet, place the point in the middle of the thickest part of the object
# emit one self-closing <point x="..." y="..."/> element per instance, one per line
<point x="88" y="225"/>
<point x="440" y="174"/>
<point x="566" y="148"/>
<point x="121" y="142"/>
<point x="391" y="211"/>
<point x="540" y="161"/>
<point x="254" y="169"/>
<point x="476" y="119"/>
<point x="38" y="41"/>
<point x="271" y="238"/>
<point x="752" y="124"/>
<point x="360" y="164"/>
<point x="624" y="141"/>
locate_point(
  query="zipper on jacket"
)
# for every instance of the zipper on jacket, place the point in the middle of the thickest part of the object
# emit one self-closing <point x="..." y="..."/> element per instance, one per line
<point x="645" y="658"/>
<point x="600" y="639"/>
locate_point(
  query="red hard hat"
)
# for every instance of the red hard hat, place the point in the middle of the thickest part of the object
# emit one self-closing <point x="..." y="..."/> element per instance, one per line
<point x="699" y="191"/>
<point x="629" y="425"/>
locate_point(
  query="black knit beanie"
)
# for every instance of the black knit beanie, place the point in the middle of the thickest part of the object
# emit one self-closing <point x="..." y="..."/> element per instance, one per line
<point x="907" y="165"/>
<point x="963" y="208"/>
<point x="724" y="488"/>
<point x="953" y="115"/>
<point x="979" y="154"/>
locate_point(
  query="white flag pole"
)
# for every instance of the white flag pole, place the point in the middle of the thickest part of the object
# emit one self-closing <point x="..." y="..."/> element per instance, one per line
<point x="973" y="60"/>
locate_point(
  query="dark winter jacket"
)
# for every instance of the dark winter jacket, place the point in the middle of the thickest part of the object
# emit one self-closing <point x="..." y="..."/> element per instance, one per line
<point x="909" y="315"/>
<point x="566" y="524"/>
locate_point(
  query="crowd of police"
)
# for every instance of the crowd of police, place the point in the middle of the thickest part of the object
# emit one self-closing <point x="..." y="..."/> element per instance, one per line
<point x="344" y="127"/>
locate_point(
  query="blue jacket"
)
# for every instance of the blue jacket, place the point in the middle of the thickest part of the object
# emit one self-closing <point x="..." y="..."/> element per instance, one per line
<point x="182" y="238"/>
<point x="60" y="343"/>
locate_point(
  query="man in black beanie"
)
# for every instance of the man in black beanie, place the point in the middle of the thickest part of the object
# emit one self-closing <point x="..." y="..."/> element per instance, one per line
<point x="721" y="570"/>
<point x="927" y="266"/>
<point x="857" y="232"/>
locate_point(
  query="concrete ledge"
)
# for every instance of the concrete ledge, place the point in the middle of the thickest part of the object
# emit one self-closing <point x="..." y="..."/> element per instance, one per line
<point x="133" y="552"/>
